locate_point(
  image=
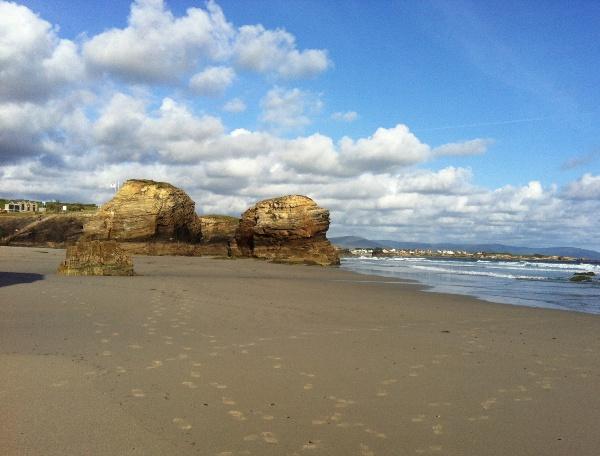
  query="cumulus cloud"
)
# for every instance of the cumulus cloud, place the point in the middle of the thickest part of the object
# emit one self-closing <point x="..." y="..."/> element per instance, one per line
<point x="235" y="105"/>
<point x="289" y="110"/>
<point x="348" y="116"/>
<point x="212" y="81"/>
<point x="158" y="47"/>
<point x="471" y="147"/>
<point x="388" y="147"/>
<point x="585" y="188"/>
<point x="274" y="51"/>
<point x="34" y="61"/>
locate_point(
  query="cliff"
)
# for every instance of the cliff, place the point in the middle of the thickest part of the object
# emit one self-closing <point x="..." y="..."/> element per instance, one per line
<point x="289" y="229"/>
<point x="41" y="230"/>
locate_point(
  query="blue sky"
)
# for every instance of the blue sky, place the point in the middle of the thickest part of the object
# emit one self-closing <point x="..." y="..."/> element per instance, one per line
<point x="487" y="112"/>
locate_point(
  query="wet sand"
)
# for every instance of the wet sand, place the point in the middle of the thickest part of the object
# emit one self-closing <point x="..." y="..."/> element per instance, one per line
<point x="199" y="356"/>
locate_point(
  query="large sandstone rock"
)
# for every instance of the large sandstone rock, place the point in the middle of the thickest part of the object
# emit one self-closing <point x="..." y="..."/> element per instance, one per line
<point x="102" y="258"/>
<point x="289" y="229"/>
<point x="145" y="211"/>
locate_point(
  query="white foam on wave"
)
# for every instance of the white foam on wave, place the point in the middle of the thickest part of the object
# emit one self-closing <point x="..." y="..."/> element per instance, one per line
<point x="477" y="273"/>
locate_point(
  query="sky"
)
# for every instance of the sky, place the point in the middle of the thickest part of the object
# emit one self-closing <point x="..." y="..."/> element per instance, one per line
<point x="431" y="121"/>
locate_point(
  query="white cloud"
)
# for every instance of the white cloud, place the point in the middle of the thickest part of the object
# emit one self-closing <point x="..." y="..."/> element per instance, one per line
<point x="586" y="188"/>
<point x="126" y="131"/>
<point x="387" y="148"/>
<point x="34" y="61"/>
<point x="235" y="105"/>
<point x="348" y="116"/>
<point x="472" y="147"/>
<point x="289" y="109"/>
<point x="158" y="47"/>
<point x="212" y="80"/>
<point x="274" y="51"/>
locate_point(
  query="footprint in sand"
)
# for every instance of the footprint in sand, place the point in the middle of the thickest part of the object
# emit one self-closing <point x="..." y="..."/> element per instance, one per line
<point x="306" y="374"/>
<point x="365" y="450"/>
<point x="182" y="424"/>
<point x="155" y="364"/>
<point x="489" y="403"/>
<point x="190" y="385"/>
<point x="311" y="445"/>
<point x="136" y="392"/>
<point x="227" y="401"/>
<point x="269" y="437"/>
<point x="438" y="429"/>
<point x="308" y="387"/>
<point x="236" y="414"/>
<point x="375" y="433"/>
<point x="218" y="385"/>
<point x="418" y="419"/>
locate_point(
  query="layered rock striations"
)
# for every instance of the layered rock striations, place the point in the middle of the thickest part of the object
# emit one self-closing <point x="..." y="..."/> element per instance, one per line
<point x="289" y="229"/>
<point x="218" y="235"/>
<point x="55" y="231"/>
<point x="155" y="218"/>
<point x="147" y="217"/>
<point x="101" y="258"/>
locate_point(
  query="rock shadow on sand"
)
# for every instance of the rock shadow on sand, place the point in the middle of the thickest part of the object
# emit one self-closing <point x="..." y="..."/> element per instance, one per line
<point x="16" y="278"/>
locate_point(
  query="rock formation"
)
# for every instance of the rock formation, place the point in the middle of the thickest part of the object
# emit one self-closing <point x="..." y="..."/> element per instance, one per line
<point x="289" y="229"/>
<point x="41" y="230"/>
<point x="145" y="212"/>
<point x="218" y="235"/>
<point x="102" y="258"/>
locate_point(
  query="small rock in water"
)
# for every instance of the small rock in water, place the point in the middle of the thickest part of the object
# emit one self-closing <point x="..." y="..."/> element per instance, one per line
<point x="582" y="277"/>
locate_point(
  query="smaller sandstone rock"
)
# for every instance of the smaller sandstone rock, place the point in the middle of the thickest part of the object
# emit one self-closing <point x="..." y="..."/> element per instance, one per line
<point x="288" y="229"/>
<point x="102" y="258"/>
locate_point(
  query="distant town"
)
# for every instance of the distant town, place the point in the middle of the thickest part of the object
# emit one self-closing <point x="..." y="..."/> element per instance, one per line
<point x="39" y="207"/>
<point x="440" y="253"/>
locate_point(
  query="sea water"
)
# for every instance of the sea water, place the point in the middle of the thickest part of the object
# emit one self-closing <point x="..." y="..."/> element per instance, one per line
<point x="527" y="283"/>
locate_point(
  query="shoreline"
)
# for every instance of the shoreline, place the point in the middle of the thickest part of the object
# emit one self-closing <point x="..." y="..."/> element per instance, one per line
<point x="230" y="357"/>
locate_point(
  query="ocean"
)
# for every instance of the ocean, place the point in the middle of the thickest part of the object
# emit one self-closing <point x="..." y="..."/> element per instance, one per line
<point x="525" y="283"/>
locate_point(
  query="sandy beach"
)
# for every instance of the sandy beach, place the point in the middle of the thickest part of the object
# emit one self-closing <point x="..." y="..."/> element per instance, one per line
<point x="199" y="356"/>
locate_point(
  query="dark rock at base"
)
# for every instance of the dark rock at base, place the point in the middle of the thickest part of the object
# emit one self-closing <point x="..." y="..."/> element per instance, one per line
<point x="100" y="258"/>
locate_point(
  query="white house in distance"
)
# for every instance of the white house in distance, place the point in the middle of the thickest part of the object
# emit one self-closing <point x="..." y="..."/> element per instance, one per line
<point x="23" y="206"/>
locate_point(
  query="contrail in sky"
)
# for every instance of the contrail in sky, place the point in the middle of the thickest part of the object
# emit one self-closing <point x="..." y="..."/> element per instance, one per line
<point x="487" y="124"/>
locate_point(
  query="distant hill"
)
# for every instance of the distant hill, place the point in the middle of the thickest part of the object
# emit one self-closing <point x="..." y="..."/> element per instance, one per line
<point x="359" y="242"/>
